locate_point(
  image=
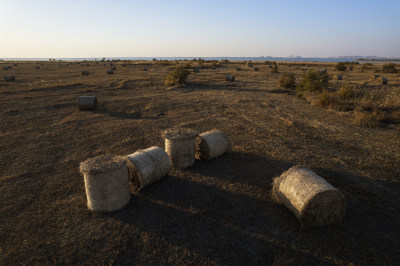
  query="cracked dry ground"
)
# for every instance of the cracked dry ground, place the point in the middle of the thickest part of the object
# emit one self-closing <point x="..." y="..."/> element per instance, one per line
<point x="216" y="212"/>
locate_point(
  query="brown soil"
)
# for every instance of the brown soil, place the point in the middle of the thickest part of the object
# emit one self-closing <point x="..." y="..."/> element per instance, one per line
<point x="216" y="212"/>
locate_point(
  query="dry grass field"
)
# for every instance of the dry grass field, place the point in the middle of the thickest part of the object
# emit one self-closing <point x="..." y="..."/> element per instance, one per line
<point x="218" y="212"/>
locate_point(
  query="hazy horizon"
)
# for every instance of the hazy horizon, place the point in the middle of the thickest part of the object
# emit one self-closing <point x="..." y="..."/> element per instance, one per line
<point x="96" y="29"/>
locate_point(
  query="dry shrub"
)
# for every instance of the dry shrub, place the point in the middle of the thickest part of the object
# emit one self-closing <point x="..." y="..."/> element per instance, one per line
<point x="287" y="81"/>
<point x="346" y="91"/>
<point x="313" y="81"/>
<point x="177" y="77"/>
<point x="370" y="120"/>
<point x="389" y="68"/>
<point x="274" y="68"/>
<point x="340" y="66"/>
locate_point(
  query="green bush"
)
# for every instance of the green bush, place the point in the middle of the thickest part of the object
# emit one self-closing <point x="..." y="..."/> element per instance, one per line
<point x="341" y="66"/>
<point x="177" y="77"/>
<point x="389" y="68"/>
<point x="287" y="81"/>
<point x="313" y="81"/>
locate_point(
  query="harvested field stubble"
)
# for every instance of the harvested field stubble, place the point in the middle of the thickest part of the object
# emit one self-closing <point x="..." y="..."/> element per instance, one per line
<point x="217" y="212"/>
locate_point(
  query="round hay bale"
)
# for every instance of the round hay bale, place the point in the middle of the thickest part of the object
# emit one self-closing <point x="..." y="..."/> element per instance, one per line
<point x="87" y="102"/>
<point x="85" y="73"/>
<point x="211" y="144"/>
<point x="238" y="68"/>
<point x="106" y="182"/>
<point x="37" y="67"/>
<point x="311" y="198"/>
<point x="180" y="145"/>
<point x="230" y="78"/>
<point x="110" y="71"/>
<point x="381" y="81"/>
<point x="147" y="166"/>
<point x="256" y="69"/>
<point x="9" y="78"/>
<point x="338" y="77"/>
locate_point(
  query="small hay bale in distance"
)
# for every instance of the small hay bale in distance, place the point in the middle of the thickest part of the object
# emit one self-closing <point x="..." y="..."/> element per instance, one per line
<point x="256" y="69"/>
<point x="311" y="198"/>
<point x="110" y="71"/>
<point x="9" y="78"/>
<point x="381" y="81"/>
<point x="85" y="73"/>
<point x="87" y="103"/>
<point x="238" y="68"/>
<point x="180" y="145"/>
<point x="230" y="78"/>
<point x="211" y="144"/>
<point x="147" y="166"/>
<point x="106" y="182"/>
<point x="338" y="77"/>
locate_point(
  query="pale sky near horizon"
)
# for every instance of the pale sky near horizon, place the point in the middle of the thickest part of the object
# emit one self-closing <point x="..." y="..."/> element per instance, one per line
<point x="155" y="28"/>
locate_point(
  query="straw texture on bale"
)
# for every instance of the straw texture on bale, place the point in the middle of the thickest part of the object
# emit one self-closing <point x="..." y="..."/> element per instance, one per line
<point x="87" y="102"/>
<point x="311" y="198"/>
<point x="180" y="145"/>
<point x="229" y="78"/>
<point x="9" y="78"/>
<point x="211" y="144"/>
<point x="85" y="73"/>
<point x="106" y="182"/>
<point x="147" y="166"/>
<point x="110" y="71"/>
<point x="381" y="81"/>
<point x="338" y="77"/>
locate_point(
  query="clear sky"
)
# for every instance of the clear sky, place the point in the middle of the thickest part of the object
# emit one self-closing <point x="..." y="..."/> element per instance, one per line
<point x="200" y="28"/>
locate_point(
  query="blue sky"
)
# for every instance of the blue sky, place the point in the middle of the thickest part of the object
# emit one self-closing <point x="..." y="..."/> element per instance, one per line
<point x="201" y="28"/>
